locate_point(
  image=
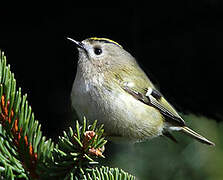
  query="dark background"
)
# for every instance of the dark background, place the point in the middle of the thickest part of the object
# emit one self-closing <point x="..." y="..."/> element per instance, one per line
<point x="180" y="46"/>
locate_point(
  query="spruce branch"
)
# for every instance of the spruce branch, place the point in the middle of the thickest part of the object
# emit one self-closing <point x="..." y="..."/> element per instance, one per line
<point x="74" y="153"/>
<point x="26" y="154"/>
<point x="108" y="173"/>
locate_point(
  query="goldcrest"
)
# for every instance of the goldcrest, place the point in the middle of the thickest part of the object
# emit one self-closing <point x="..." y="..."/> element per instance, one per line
<point x="111" y="87"/>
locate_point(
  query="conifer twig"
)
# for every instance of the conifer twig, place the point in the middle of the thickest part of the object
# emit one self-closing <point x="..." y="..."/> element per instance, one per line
<point x="26" y="154"/>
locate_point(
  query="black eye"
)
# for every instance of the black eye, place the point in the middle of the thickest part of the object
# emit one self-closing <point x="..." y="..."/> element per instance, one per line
<point x="97" y="50"/>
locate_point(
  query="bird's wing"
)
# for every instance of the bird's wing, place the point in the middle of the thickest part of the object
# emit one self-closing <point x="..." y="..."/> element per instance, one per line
<point x="135" y="82"/>
<point x="154" y="98"/>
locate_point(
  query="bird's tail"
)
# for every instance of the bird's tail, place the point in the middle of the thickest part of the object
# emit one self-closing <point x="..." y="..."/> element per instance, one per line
<point x="196" y="136"/>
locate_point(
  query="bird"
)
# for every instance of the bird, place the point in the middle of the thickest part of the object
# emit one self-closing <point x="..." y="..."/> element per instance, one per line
<point x="112" y="88"/>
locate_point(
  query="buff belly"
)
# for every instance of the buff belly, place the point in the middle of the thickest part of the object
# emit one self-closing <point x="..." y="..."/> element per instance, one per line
<point x="123" y="116"/>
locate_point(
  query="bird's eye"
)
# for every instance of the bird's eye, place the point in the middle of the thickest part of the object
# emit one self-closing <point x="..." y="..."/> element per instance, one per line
<point x="97" y="50"/>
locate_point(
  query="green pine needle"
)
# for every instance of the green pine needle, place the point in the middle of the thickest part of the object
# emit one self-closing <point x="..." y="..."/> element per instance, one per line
<point x="26" y="154"/>
<point x="109" y="174"/>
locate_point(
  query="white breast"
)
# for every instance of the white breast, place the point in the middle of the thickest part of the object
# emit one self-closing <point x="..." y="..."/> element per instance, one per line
<point x="120" y="112"/>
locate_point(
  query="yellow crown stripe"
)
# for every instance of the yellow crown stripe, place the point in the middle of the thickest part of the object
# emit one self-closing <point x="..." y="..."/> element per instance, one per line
<point x="105" y="39"/>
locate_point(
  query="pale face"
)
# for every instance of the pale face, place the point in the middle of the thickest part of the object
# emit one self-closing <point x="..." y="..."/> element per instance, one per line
<point x="102" y="54"/>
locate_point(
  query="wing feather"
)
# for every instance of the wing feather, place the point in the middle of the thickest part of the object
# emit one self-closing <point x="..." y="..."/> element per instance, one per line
<point x="156" y="100"/>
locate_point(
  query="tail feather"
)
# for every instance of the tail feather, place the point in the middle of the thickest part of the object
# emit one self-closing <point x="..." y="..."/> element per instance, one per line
<point x="195" y="135"/>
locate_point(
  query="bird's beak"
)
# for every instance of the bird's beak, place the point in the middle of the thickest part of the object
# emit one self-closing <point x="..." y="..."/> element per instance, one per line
<point x="77" y="43"/>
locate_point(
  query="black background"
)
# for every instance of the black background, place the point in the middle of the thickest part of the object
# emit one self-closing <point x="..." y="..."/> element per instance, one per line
<point x="180" y="46"/>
